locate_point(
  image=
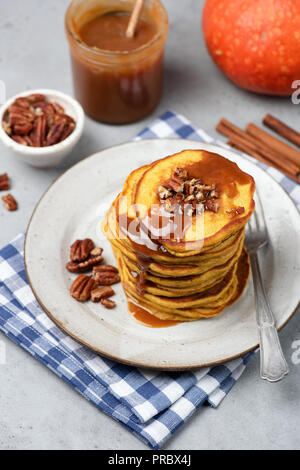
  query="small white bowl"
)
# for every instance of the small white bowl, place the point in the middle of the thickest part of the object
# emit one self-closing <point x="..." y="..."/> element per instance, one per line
<point x="46" y="157"/>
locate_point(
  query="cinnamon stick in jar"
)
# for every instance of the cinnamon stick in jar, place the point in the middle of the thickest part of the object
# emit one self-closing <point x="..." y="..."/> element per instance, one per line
<point x="282" y="129"/>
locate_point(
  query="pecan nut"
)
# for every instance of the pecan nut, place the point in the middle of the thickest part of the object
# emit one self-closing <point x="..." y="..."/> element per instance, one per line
<point x="38" y="134"/>
<point x="22" y="127"/>
<point x="82" y="287"/>
<point x="68" y="119"/>
<point x="17" y="114"/>
<point x="84" y="256"/>
<point x="23" y="140"/>
<point x="235" y="211"/>
<point x="48" y="109"/>
<point x="96" y="251"/>
<point x="177" y="184"/>
<point x="35" y="97"/>
<point x="42" y="122"/>
<point x="181" y="172"/>
<point x="81" y="249"/>
<point x="212" y="206"/>
<point x="68" y="129"/>
<point x="104" y="268"/>
<point x="163" y="192"/>
<point x="9" y="202"/>
<point x="106" y="278"/>
<point x="58" y="108"/>
<point x="22" y="102"/>
<point x="101" y="293"/>
<point x="188" y="195"/>
<point x="55" y="133"/>
<point x="7" y="127"/>
<point x="107" y="303"/>
<point x="83" y="266"/>
<point x="4" y="182"/>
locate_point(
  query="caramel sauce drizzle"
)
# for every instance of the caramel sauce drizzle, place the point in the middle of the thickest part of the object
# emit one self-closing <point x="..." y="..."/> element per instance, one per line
<point x="142" y="316"/>
<point x="218" y="170"/>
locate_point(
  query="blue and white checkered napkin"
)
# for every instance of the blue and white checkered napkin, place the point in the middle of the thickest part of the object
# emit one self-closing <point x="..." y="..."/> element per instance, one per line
<point x="150" y="404"/>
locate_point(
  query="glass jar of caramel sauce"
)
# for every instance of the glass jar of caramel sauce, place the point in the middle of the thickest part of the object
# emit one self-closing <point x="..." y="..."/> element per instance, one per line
<point x="116" y="79"/>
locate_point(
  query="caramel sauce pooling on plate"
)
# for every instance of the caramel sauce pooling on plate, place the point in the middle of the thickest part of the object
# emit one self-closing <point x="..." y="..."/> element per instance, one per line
<point x="145" y="318"/>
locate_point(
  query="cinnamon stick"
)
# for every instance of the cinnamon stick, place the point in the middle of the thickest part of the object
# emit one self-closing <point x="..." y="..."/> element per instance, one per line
<point x="258" y="156"/>
<point x="248" y="144"/>
<point x="280" y="147"/>
<point x="245" y="149"/>
<point x="282" y="129"/>
<point x="240" y="137"/>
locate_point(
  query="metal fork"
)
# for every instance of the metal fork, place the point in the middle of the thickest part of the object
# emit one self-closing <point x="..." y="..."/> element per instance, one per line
<point x="273" y="366"/>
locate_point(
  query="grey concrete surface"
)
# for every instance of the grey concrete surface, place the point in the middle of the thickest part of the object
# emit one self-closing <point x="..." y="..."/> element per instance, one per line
<point x="37" y="409"/>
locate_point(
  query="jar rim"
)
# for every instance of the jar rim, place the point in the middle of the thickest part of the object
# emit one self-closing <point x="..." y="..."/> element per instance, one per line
<point x="108" y="53"/>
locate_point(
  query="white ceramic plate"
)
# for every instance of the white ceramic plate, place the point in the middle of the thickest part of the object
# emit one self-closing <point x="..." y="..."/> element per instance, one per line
<point x="74" y="206"/>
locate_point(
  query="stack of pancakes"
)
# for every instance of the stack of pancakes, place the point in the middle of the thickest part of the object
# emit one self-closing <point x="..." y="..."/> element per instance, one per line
<point x="195" y="271"/>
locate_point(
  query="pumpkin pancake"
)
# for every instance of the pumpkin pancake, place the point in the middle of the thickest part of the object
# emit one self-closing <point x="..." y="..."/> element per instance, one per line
<point x="222" y="251"/>
<point x="204" y="269"/>
<point x="235" y="189"/>
<point x="206" y="310"/>
<point x="182" y="286"/>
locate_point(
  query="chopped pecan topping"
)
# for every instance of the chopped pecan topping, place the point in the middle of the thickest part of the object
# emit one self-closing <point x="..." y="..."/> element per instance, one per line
<point x="214" y="194"/>
<point x="190" y="198"/>
<point x="10" y="203"/>
<point x="81" y="249"/>
<point x="182" y="193"/>
<point x="188" y="210"/>
<point x="181" y="172"/>
<point x="107" y="303"/>
<point x="176" y="184"/>
<point x="82" y="287"/>
<point x="211" y="206"/>
<point x="236" y="211"/>
<point x="40" y="123"/>
<point x="173" y="204"/>
<point x="4" y="182"/>
<point x="164" y="192"/>
<point x="199" y="195"/>
<point x="101" y="293"/>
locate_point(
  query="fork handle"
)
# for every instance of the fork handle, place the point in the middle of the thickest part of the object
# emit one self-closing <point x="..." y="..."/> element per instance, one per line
<point x="273" y="366"/>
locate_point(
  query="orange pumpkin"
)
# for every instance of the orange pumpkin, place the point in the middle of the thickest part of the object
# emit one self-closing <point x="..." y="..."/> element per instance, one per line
<point x="256" y="43"/>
